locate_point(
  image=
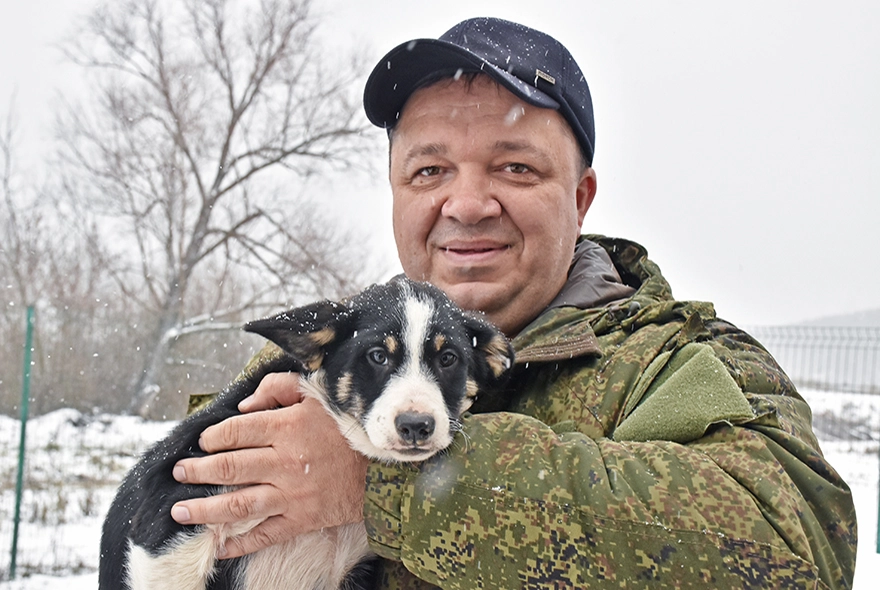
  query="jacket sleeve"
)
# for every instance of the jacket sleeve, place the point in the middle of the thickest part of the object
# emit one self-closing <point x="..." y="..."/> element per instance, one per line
<point x="744" y="500"/>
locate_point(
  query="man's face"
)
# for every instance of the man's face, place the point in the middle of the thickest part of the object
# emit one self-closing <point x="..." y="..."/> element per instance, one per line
<point x="489" y="197"/>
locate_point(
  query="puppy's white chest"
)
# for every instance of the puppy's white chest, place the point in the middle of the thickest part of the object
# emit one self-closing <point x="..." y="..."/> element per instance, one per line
<point x="318" y="560"/>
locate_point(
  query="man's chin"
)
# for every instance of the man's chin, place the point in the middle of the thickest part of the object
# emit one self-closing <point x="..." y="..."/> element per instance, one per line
<point x="484" y="296"/>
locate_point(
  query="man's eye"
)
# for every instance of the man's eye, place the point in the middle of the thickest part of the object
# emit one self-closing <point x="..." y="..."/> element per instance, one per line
<point x="429" y="171"/>
<point x="518" y="168"/>
<point x="377" y="356"/>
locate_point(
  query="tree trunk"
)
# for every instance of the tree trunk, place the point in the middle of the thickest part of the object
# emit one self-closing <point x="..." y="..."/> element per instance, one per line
<point x="146" y="386"/>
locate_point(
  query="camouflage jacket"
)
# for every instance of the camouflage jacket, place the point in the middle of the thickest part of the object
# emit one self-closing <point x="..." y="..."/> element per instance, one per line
<point x="645" y="444"/>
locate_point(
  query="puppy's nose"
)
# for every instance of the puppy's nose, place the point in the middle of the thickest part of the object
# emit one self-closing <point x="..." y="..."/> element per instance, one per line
<point x="414" y="428"/>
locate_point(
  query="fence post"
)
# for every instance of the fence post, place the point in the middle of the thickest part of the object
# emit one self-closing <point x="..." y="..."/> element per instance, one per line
<point x="25" y="405"/>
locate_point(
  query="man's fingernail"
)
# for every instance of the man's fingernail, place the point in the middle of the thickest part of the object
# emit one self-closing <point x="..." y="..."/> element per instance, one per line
<point x="180" y="514"/>
<point x="179" y="473"/>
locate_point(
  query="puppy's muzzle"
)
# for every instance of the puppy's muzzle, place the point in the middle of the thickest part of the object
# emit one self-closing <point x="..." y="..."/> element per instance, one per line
<point x="414" y="428"/>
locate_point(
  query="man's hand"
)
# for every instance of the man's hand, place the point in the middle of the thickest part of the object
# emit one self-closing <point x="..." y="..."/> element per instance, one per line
<point x="300" y="471"/>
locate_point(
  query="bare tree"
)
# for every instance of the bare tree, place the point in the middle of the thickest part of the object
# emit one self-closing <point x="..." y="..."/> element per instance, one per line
<point x="207" y="118"/>
<point x="13" y="279"/>
<point x="51" y="260"/>
<point x="17" y="256"/>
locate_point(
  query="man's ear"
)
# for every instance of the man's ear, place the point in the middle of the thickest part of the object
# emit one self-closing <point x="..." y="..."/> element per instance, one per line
<point x="305" y="332"/>
<point x="586" y="192"/>
<point x="493" y="354"/>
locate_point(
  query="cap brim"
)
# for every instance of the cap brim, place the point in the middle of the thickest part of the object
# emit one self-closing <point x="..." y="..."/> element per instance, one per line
<point x="406" y="67"/>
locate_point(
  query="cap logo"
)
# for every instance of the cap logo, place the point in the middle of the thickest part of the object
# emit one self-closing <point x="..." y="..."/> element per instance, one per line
<point x="545" y="76"/>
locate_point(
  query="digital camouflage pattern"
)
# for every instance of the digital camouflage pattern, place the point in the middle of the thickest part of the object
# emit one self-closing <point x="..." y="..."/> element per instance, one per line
<point x="643" y="445"/>
<point x="545" y="494"/>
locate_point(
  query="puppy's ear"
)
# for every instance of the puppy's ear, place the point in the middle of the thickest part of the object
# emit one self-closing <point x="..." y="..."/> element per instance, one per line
<point x="492" y="351"/>
<point x="305" y="332"/>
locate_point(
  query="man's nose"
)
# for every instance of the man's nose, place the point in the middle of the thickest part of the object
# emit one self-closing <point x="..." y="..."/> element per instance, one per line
<point x="471" y="199"/>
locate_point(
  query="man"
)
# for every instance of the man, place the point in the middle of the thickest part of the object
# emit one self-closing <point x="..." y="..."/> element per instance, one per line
<point x="644" y="442"/>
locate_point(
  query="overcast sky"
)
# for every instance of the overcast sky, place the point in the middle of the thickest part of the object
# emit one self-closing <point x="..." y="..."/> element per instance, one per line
<point x="739" y="142"/>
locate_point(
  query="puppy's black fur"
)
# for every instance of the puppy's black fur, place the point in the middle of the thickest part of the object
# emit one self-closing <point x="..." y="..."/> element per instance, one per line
<point x="400" y="349"/>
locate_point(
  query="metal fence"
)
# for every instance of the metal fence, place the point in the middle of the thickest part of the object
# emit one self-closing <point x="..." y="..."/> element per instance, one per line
<point x="837" y="370"/>
<point x="827" y="359"/>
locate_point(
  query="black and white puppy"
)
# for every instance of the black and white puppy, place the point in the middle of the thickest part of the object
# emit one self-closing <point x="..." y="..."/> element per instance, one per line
<point x="396" y="366"/>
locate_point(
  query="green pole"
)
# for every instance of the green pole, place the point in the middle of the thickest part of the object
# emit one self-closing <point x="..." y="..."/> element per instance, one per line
<point x="25" y="405"/>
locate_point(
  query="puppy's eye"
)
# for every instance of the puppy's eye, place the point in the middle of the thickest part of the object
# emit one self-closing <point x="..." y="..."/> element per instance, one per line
<point x="377" y="356"/>
<point x="448" y="358"/>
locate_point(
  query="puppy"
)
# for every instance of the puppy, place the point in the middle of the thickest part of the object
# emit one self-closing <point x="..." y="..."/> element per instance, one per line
<point x="395" y="366"/>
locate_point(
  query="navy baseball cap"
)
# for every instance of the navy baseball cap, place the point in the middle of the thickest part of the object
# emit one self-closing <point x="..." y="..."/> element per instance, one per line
<point x="532" y="65"/>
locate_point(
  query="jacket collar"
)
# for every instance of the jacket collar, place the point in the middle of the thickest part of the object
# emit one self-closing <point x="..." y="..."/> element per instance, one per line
<point x="610" y="279"/>
<point x="593" y="281"/>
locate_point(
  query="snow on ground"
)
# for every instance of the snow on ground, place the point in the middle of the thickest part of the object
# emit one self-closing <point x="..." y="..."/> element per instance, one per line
<point x="75" y="462"/>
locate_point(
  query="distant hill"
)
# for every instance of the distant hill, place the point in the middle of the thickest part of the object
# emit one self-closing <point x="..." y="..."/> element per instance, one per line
<point x="870" y="318"/>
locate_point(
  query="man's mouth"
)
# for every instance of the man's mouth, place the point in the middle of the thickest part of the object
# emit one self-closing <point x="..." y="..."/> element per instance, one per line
<point x="471" y="250"/>
<point x="474" y="249"/>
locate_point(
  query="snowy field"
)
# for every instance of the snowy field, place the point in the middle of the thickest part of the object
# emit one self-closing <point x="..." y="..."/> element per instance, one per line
<point x="75" y="462"/>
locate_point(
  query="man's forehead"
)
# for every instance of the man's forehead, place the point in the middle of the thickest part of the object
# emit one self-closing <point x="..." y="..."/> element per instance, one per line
<point x="430" y="122"/>
<point x="429" y="148"/>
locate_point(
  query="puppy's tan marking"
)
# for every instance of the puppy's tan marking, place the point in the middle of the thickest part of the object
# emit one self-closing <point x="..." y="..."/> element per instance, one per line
<point x="343" y="389"/>
<point x="471" y="388"/>
<point x="496" y="355"/>
<point x="323" y="336"/>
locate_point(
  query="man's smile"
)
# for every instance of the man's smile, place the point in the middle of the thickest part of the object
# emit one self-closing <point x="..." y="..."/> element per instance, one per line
<point x="471" y="252"/>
